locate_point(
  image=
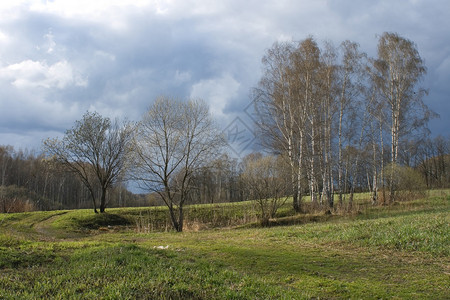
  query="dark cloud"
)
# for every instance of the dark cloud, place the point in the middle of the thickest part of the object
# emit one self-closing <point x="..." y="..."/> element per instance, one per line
<point x="59" y="59"/>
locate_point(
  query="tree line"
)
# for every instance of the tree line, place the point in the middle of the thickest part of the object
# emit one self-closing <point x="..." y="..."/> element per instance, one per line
<point x="31" y="181"/>
<point x="332" y="121"/>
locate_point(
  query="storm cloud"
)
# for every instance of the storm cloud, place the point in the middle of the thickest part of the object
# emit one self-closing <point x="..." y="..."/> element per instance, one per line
<point x="59" y="59"/>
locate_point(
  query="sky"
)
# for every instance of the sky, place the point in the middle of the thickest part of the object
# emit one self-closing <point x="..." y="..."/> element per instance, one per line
<point x="61" y="58"/>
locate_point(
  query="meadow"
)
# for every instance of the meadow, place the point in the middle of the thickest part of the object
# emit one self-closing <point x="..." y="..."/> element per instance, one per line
<point x="400" y="251"/>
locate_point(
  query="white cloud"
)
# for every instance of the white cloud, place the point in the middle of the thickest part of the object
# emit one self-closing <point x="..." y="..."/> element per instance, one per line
<point x="181" y="76"/>
<point x="102" y="54"/>
<point x="31" y="74"/>
<point x="132" y="51"/>
<point x="217" y="92"/>
<point x="51" y="44"/>
<point x="109" y="12"/>
<point x="3" y="38"/>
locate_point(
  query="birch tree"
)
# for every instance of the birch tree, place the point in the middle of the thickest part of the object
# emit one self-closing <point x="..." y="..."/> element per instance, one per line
<point x="280" y="113"/>
<point x="307" y="65"/>
<point x="399" y="70"/>
<point x="350" y="86"/>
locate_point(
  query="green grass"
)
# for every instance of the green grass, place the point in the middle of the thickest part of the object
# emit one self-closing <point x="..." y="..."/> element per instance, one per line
<point x="130" y="271"/>
<point x="400" y="251"/>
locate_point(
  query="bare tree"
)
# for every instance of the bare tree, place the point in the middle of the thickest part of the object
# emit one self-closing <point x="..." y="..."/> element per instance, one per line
<point x="398" y="71"/>
<point x="289" y="103"/>
<point x="173" y="141"/>
<point x="308" y="68"/>
<point x="350" y="81"/>
<point x="433" y="162"/>
<point x="280" y="113"/>
<point x="314" y="103"/>
<point x="217" y="181"/>
<point x="328" y="110"/>
<point x="95" y="149"/>
<point x="265" y="178"/>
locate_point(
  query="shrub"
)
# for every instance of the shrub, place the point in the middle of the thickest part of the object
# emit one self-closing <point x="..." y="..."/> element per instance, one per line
<point x="15" y="199"/>
<point x="408" y="183"/>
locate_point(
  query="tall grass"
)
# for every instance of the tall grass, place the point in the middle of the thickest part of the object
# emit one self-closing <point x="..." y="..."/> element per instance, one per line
<point x="197" y="217"/>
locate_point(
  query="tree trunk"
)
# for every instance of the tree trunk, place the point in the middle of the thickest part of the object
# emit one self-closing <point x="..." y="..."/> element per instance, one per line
<point x="3" y="203"/>
<point x="180" y="219"/>
<point x="173" y="218"/>
<point x="93" y="201"/>
<point x="295" y="203"/>
<point x="375" y="189"/>
<point x="298" y="180"/>
<point x="299" y="191"/>
<point x="103" y="201"/>
<point x="295" y="186"/>
<point x="394" y="152"/>
<point x="312" y="161"/>
<point x="350" y="199"/>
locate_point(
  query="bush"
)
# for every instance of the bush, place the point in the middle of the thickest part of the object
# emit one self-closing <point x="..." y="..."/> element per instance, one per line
<point x="408" y="183"/>
<point x="15" y="199"/>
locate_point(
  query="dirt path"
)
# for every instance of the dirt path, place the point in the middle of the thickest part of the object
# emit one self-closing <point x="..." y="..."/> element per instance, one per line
<point x="45" y="230"/>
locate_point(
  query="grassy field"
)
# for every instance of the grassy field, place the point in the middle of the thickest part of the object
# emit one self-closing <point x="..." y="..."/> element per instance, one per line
<point x="399" y="252"/>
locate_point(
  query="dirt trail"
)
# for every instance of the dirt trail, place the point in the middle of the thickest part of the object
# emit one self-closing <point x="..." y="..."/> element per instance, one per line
<point x="45" y="231"/>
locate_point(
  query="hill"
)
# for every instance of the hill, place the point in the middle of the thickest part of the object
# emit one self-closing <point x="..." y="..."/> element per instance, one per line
<point x="399" y="251"/>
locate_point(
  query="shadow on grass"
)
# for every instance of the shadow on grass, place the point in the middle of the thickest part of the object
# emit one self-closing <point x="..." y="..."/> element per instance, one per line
<point x="98" y="221"/>
<point x="294" y="220"/>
